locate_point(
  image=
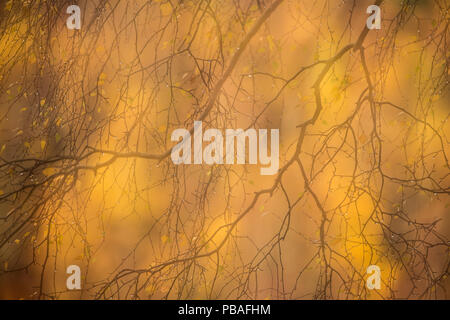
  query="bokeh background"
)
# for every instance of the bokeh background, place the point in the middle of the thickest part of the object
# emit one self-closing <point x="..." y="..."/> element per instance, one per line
<point x="85" y="123"/>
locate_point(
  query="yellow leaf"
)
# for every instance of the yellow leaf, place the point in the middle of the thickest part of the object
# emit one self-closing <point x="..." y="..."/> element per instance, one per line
<point x="49" y="171"/>
<point x="3" y="148"/>
<point x="23" y="109"/>
<point x="8" y="5"/>
<point x="27" y="144"/>
<point x="435" y="98"/>
<point x="164" y="239"/>
<point x="271" y="43"/>
<point x="42" y="102"/>
<point x="1" y="192"/>
<point x="17" y="241"/>
<point x="43" y="143"/>
<point x="166" y="9"/>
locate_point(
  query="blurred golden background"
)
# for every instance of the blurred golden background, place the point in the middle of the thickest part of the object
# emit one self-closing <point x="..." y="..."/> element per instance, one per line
<point x="86" y="177"/>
